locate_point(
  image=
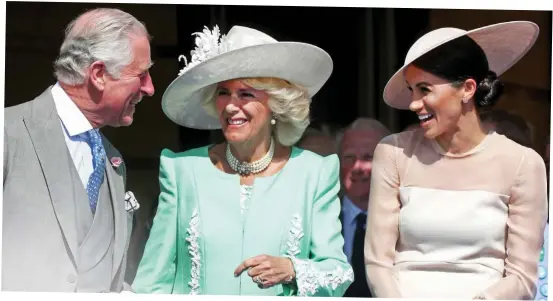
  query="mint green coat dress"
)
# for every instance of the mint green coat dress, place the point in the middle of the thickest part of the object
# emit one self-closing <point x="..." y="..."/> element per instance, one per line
<point x="207" y="224"/>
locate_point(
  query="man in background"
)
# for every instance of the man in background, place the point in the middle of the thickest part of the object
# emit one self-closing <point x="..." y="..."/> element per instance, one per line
<point x="356" y="149"/>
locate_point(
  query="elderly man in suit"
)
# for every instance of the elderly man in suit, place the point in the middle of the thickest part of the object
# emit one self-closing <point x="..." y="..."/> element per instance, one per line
<point x="356" y="149"/>
<point x="65" y="223"/>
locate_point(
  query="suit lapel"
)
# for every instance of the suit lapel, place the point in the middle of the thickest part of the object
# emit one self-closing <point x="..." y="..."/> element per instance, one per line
<point x="45" y="131"/>
<point x="117" y="193"/>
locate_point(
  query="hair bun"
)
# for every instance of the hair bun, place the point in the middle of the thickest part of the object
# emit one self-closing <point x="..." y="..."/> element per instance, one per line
<point x="488" y="91"/>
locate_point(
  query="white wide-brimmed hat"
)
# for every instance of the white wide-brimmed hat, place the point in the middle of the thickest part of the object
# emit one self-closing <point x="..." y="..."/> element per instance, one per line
<point x="243" y="53"/>
<point x="504" y="44"/>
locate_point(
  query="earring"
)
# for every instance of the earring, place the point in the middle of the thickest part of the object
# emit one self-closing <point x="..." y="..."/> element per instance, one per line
<point x="273" y="121"/>
<point x="465" y="100"/>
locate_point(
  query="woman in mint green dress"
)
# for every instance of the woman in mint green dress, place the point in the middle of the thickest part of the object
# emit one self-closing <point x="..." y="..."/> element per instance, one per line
<point x="253" y="215"/>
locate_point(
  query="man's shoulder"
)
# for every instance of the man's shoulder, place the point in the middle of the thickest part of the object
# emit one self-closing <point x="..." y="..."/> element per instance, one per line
<point x="14" y="126"/>
<point x="16" y="113"/>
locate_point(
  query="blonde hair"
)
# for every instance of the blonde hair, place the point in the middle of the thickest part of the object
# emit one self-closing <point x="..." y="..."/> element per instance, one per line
<point x="289" y="104"/>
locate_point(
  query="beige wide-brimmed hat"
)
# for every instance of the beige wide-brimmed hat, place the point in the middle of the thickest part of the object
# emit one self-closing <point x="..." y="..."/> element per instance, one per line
<point x="504" y="44"/>
<point x="243" y="53"/>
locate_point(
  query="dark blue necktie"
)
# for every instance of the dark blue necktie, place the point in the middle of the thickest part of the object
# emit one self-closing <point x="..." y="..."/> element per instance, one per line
<point x="359" y="287"/>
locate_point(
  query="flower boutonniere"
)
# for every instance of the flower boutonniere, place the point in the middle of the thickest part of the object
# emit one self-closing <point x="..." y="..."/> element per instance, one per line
<point x="116" y="162"/>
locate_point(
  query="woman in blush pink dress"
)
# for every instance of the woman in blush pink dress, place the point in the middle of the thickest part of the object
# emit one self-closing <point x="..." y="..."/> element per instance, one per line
<point x="456" y="211"/>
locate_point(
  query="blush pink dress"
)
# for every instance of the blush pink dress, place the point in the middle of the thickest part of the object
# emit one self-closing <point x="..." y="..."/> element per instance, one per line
<point x="444" y="225"/>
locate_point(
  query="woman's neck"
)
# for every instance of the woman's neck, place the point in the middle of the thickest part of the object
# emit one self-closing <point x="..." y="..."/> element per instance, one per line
<point x="251" y="150"/>
<point x="468" y="134"/>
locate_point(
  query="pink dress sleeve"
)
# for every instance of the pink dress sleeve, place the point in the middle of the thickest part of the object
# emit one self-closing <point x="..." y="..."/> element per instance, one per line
<point x="382" y="221"/>
<point x="525" y="226"/>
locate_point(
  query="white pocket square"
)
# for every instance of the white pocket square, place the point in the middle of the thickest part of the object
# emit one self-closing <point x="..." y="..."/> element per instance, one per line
<point x="131" y="204"/>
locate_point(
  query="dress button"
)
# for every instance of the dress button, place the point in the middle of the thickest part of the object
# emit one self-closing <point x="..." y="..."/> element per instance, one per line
<point x="71" y="278"/>
<point x="542" y="272"/>
<point x="543" y="290"/>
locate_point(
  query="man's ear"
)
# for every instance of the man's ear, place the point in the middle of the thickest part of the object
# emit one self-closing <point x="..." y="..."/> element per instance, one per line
<point x="97" y="75"/>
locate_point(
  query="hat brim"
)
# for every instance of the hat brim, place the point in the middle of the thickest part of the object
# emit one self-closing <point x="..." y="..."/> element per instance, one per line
<point x="504" y="44"/>
<point x="299" y="63"/>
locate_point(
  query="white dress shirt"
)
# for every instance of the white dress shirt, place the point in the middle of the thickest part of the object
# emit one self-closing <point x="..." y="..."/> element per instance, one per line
<point x="349" y="214"/>
<point x="74" y="125"/>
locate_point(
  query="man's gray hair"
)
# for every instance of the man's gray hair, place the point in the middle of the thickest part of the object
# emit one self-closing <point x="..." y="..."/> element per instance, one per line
<point x="365" y="124"/>
<point x="102" y="34"/>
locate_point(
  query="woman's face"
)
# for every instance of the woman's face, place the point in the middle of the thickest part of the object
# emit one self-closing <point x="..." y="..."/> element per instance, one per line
<point x="243" y="111"/>
<point x="436" y="102"/>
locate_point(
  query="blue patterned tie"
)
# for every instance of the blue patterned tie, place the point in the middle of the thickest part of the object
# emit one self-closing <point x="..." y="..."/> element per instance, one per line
<point x="97" y="176"/>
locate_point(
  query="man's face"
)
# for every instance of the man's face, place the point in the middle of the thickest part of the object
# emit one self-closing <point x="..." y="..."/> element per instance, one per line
<point x="121" y="95"/>
<point x="356" y="154"/>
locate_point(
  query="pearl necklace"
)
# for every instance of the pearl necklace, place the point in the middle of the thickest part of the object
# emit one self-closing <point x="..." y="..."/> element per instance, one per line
<point x="246" y="168"/>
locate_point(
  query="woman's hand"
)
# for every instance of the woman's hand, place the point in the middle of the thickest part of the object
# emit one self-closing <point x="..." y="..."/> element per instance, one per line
<point x="268" y="271"/>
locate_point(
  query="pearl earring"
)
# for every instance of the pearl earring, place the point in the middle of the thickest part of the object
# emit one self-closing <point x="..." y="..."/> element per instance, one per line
<point x="465" y="100"/>
<point x="273" y="121"/>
